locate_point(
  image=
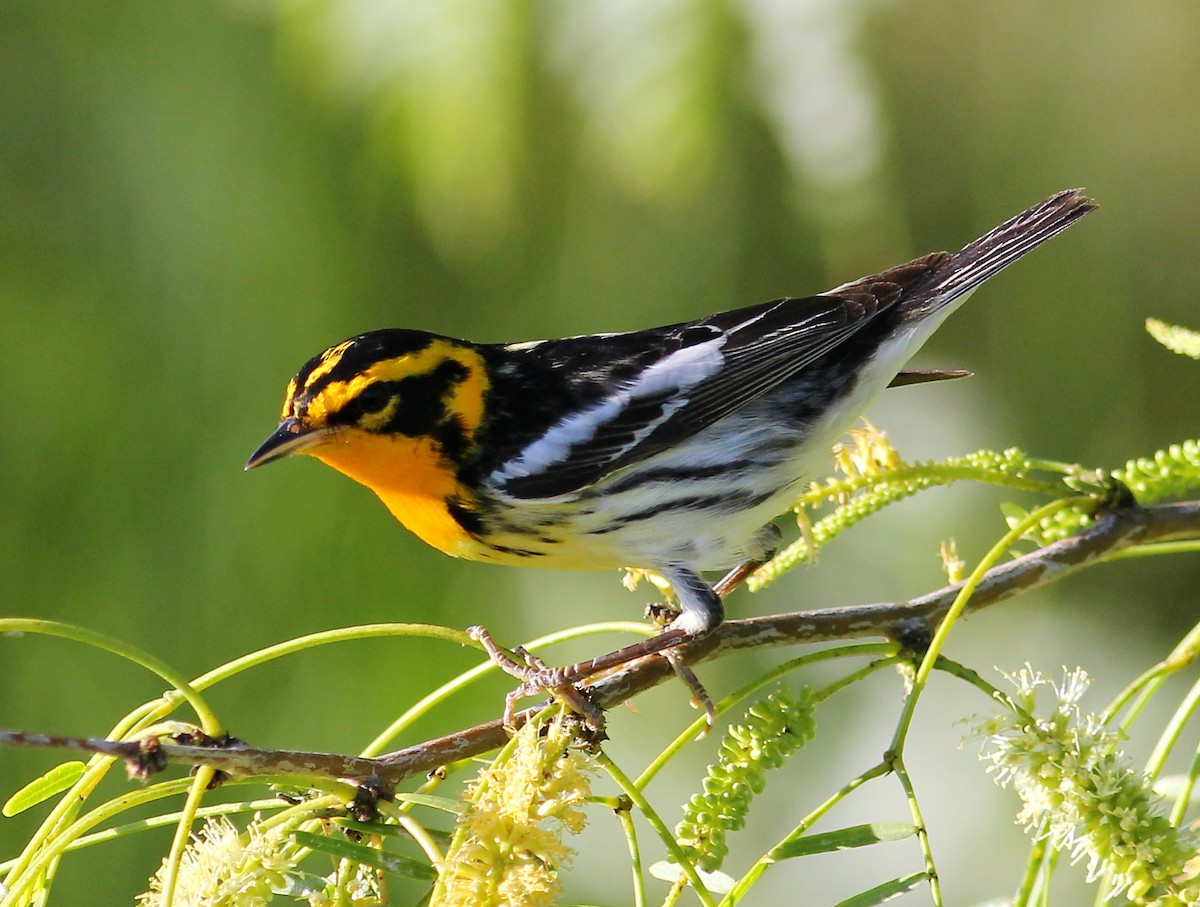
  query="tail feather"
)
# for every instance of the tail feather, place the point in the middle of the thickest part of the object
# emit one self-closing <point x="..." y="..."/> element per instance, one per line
<point x="994" y="251"/>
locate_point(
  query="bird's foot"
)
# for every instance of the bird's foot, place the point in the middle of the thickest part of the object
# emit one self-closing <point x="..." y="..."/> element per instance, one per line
<point x="660" y="614"/>
<point x="700" y="698"/>
<point x="564" y="681"/>
<point x="678" y="630"/>
<point x="537" y="677"/>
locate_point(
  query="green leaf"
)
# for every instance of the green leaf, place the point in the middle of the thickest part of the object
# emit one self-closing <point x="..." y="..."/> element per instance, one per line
<point x="296" y="884"/>
<point x="387" y="830"/>
<point x="844" y="838"/>
<point x="886" y="891"/>
<point x="716" y="881"/>
<point x="343" y="849"/>
<point x="446" y="804"/>
<point x="55" y="781"/>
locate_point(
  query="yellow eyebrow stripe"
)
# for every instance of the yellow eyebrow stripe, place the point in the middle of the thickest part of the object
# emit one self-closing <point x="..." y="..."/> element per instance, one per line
<point x="329" y="360"/>
<point x="288" y="398"/>
<point x="466" y="400"/>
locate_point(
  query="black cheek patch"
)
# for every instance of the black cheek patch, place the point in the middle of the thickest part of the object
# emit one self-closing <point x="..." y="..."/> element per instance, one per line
<point x="372" y="400"/>
<point x="423" y="407"/>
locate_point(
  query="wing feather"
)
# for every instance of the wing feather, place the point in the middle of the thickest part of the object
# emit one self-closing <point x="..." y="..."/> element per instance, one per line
<point x="630" y="396"/>
<point x="707" y="369"/>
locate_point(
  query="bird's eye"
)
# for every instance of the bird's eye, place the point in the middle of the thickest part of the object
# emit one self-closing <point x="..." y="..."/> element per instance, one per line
<point x="373" y="398"/>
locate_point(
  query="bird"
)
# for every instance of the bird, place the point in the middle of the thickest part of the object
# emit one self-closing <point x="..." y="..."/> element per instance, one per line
<point x="670" y="449"/>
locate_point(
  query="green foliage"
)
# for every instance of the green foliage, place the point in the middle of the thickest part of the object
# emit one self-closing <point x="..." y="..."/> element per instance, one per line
<point x="40" y="789"/>
<point x="342" y="848"/>
<point x="876" y="476"/>
<point x="844" y="838"/>
<point x="1079" y="792"/>
<point x="770" y="731"/>
<point x="196" y="194"/>
<point x="1167" y="475"/>
<point x="885" y="892"/>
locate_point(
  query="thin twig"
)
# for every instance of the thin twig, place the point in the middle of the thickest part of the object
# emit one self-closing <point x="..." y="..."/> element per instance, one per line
<point x="1112" y="532"/>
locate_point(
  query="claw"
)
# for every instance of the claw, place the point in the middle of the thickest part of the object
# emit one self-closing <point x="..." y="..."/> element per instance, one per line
<point x="660" y="614"/>
<point x="536" y="677"/>
<point x="693" y="622"/>
<point x="700" y="698"/>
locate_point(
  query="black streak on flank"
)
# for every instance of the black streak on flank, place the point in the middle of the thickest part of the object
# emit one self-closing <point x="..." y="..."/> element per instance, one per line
<point x="517" y="552"/>
<point x="469" y="520"/>
<point x="673" y="475"/>
<point x="729" y="501"/>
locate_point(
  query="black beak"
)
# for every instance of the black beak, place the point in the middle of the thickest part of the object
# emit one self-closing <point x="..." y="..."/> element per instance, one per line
<point x="289" y="438"/>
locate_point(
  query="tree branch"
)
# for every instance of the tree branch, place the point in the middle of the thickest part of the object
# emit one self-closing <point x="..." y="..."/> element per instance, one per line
<point x="1112" y="532"/>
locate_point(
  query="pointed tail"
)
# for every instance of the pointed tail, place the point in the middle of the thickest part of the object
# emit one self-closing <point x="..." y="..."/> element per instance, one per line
<point x="991" y="253"/>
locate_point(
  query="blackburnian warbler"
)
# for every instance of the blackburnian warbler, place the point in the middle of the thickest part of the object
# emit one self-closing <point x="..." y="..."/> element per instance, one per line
<point x="669" y="449"/>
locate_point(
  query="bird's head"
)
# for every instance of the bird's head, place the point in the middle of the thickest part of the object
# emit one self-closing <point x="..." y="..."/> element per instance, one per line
<point x="383" y="386"/>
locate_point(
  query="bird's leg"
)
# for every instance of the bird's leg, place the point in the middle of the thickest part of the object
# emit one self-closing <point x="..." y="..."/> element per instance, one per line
<point x="699" y="698"/>
<point x="767" y="540"/>
<point x="536" y="677"/>
<point x="701" y="612"/>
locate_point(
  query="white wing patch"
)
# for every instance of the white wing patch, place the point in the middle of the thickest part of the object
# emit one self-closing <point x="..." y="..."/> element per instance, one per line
<point x="675" y="374"/>
<point x="524" y="346"/>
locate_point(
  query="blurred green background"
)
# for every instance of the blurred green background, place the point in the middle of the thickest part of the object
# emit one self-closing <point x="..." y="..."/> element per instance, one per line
<point x="195" y="197"/>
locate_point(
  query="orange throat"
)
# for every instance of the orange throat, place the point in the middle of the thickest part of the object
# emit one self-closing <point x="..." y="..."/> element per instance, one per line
<point x="410" y="476"/>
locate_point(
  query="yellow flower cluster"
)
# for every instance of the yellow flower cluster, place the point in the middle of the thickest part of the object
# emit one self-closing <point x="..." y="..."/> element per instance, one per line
<point x="866" y="452"/>
<point x="222" y="868"/>
<point x="508" y="845"/>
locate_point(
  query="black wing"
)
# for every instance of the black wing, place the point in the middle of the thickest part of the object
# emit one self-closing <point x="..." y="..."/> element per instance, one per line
<point x="687" y="377"/>
<point x="630" y="396"/>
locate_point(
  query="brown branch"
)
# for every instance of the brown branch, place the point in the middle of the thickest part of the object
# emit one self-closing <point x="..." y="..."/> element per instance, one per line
<point x="1112" y="532"/>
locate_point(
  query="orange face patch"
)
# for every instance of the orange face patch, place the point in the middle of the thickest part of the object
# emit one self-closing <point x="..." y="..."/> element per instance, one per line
<point x="410" y="476"/>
